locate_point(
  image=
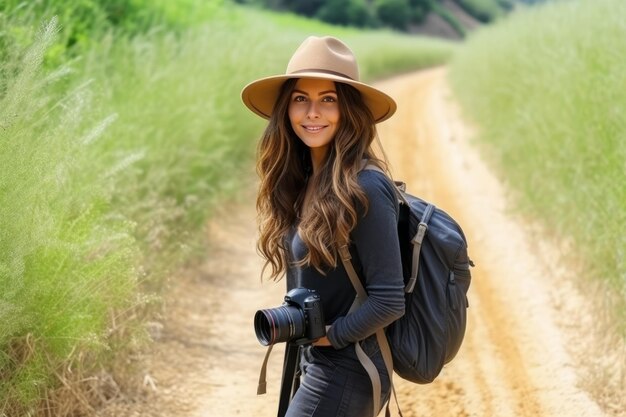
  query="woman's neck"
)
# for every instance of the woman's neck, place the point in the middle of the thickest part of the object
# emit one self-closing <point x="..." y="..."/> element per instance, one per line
<point x="318" y="155"/>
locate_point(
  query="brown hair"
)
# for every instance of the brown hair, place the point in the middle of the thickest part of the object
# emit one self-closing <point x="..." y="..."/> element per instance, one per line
<point x="284" y="167"/>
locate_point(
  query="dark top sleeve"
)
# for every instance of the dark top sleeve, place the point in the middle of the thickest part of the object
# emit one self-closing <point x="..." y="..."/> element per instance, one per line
<point x="376" y="249"/>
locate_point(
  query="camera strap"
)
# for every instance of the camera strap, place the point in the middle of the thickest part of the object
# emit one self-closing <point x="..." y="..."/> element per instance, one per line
<point x="262" y="386"/>
<point x="290" y="377"/>
<point x="288" y="384"/>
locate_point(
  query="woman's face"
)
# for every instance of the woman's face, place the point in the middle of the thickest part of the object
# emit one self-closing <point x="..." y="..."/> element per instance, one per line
<point x="314" y="113"/>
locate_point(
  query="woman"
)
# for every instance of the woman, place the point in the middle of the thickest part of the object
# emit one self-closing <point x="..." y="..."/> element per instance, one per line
<point x="314" y="199"/>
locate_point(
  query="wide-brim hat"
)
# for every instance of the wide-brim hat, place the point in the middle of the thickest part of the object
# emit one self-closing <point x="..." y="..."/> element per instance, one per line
<point x="318" y="57"/>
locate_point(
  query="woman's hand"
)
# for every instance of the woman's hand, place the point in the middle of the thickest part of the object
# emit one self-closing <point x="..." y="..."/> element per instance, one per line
<point x="323" y="341"/>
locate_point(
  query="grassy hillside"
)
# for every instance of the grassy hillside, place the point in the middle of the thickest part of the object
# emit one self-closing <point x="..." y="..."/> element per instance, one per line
<point x="114" y="147"/>
<point x="546" y="88"/>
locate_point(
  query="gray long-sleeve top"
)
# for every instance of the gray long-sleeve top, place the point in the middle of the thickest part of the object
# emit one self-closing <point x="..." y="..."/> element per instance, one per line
<point x="375" y="253"/>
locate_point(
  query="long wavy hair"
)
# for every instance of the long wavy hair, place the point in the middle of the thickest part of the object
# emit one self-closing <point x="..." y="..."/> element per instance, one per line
<point x="284" y="168"/>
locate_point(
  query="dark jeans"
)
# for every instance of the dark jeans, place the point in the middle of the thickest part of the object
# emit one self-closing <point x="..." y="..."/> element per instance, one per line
<point x="335" y="384"/>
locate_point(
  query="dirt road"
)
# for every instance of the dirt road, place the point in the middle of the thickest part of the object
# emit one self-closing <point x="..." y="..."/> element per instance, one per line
<point x="515" y="359"/>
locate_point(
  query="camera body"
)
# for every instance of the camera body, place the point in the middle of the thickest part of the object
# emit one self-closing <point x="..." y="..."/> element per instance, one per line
<point x="298" y="320"/>
<point x="310" y="303"/>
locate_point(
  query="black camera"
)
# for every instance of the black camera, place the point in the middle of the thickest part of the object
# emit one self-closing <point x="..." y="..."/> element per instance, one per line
<point x="299" y="320"/>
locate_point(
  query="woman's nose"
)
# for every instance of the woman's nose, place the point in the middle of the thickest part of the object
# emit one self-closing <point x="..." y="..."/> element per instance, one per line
<point x="313" y="111"/>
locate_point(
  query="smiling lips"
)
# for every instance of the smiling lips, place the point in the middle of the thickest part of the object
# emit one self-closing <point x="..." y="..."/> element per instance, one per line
<point x="313" y="129"/>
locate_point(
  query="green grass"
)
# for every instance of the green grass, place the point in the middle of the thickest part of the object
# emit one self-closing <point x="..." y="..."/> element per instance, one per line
<point x="112" y="156"/>
<point x="386" y="54"/>
<point x="546" y="87"/>
<point x="63" y="262"/>
<point x="548" y="96"/>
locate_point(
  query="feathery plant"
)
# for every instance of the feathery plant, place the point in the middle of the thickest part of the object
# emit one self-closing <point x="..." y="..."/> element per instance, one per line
<point x="64" y="260"/>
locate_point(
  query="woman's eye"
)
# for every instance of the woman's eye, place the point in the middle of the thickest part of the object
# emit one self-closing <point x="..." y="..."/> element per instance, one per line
<point x="329" y="99"/>
<point x="299" y="99"/>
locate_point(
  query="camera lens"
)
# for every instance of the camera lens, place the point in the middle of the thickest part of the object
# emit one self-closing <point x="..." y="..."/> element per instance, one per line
<point x="280" y="324"/>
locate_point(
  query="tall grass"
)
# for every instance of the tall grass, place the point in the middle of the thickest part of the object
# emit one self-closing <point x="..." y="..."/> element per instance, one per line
<point x="64" y="260"/>
<point x="111" y="159"/>
<point x="547" y="89"/>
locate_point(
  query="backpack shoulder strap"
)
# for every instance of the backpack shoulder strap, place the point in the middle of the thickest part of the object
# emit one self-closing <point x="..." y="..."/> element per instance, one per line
<point x="399" y="187"/>
<point x="361" y="296"/>
<point x="422" y="229"/>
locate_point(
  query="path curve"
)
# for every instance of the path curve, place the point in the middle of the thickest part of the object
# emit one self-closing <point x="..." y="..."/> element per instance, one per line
<point x="514" y="360"/>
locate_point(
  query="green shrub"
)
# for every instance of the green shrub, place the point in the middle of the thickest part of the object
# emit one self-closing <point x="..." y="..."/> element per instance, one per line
<point x="394" y="13"/>
<point x="306" y="8"/>
<point x="84" y="21"/>
<point x="419" y="10"/>
<point x="346" y="12"/>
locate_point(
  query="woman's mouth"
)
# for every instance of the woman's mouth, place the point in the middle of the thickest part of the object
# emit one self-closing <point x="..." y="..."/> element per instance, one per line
<point x="313" y="129"/>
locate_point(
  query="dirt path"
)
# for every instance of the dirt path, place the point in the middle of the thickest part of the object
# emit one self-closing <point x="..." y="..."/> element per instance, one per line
<point x="515" y="360"/>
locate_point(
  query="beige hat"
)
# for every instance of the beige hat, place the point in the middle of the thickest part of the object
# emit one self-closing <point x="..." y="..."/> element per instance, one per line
<point x="327" y="58"/>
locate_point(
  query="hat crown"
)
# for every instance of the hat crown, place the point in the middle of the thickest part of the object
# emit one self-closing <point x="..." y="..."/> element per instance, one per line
<point x="326" y="54"/>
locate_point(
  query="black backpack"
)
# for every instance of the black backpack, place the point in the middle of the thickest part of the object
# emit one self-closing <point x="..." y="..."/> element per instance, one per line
<point x="436" y="269"/>
<point x="430" y="333"/>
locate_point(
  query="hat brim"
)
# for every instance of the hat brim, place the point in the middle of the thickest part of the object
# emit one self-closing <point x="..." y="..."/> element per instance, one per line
<point x="260" y="95"/>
